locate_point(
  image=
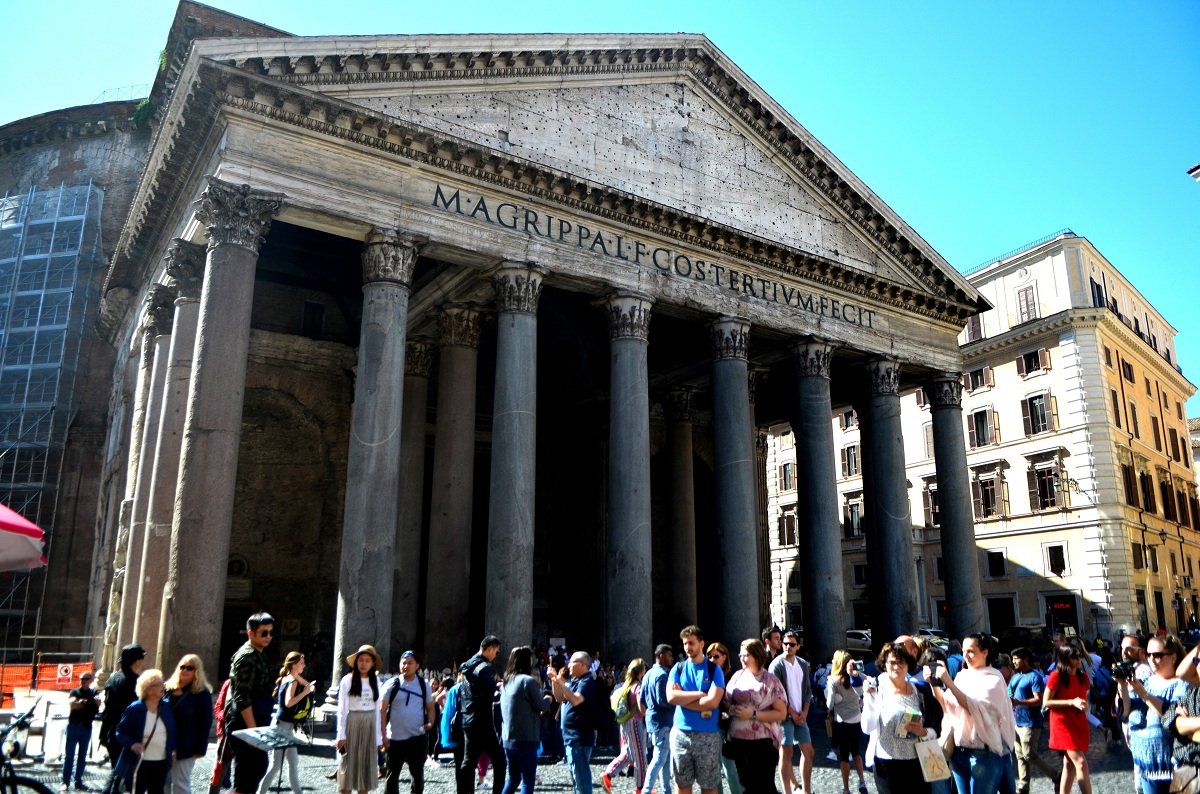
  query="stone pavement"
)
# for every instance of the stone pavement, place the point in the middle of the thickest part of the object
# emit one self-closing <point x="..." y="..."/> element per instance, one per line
<point x="1111" y="771"/>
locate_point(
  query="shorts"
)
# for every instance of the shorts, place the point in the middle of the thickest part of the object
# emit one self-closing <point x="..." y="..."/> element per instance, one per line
<point x="696" y="759"/>
<point x="796" y="734"/>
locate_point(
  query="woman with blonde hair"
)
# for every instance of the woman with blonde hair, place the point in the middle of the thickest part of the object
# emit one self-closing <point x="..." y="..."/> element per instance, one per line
<point x="190" y="699"/>
<point x="146" y="734"/>
<point x="293" y="699"/>
<point x="843" y="698"/>
<point x="633" y="730"/>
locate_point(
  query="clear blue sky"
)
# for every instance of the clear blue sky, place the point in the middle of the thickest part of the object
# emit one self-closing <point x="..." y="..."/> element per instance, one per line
<point x="984" y="125"/>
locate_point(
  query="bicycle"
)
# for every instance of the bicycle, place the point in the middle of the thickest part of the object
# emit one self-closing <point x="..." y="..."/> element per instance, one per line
<point x="13" y="746"/>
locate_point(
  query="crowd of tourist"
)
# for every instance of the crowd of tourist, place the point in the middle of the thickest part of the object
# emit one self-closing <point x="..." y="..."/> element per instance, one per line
<point x="919" y="717"/>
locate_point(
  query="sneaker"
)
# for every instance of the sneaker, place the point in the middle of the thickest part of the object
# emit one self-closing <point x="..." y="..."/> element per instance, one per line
<point x="862" y="786"/>
<point x="607" y="781"/>
<point x="80" y="787"/>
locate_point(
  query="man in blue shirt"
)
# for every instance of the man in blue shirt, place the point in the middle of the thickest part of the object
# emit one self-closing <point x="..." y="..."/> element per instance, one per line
<point x="1025" y="691"/>
<point x="696" y="687"/>
<point x="660" y="715"/>
<point x="578" y="695"/>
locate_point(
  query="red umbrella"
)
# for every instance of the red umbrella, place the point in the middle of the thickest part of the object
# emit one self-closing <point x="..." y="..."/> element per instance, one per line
<point x="20" y="542"/>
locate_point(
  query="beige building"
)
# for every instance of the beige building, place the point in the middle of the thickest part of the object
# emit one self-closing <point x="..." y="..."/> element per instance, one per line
<point x="1083" y="493"/>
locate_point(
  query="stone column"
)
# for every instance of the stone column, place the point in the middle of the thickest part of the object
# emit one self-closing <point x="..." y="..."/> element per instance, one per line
<point x="630" y="595"/>
<point x="452" y="498"/>
<point x="733" y="449"/>
<point x="683" y="507"/>
<point x="509" y="607"/>
<point x="237" y="218"/>
<point x="964" y="604"/>
<point x="156" y="325"/>
<point x="364" y="613"/>
<point x="185" y="267"/>
<point x="817" y="512"/>
<point x="407" y="577"/>
<point x="893" y="565"/>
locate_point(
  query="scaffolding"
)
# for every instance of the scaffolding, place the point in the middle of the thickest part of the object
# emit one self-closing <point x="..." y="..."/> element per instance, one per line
<point x="49" y="249"/>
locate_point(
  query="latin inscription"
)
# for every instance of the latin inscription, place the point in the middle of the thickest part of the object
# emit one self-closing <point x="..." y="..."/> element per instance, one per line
<point x="525" y="220"/>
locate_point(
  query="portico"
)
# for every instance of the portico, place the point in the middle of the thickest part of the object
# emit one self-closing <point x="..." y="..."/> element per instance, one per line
<point x="584" y="329"/>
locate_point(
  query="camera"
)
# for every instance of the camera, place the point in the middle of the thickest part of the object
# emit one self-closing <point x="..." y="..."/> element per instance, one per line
<point x="1123" y="671"/>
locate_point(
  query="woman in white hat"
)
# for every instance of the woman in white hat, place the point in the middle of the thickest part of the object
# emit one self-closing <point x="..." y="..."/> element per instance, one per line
<point x="359" y="734"/>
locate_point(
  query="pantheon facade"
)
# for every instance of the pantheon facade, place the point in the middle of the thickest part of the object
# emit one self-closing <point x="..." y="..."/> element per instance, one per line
<point x="422" y="337"/>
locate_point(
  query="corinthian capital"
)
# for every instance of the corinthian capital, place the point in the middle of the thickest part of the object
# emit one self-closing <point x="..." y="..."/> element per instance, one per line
<point x="813" y="357"/>
<point x="418" y="355"/>
<point x="185" y="265"/>
<point x="389" y="256"/>
<point x="945" y="390"/>
<point x="158" y="310"/>
<point x="518" y="287"/>
<point x="460" y="325"/>
<point x="679" y="404"/>
<point x="885" y="376"/>
<point x="236" y="214"/>
<point x="628" y="315"/>
<point x="730" y="336"/>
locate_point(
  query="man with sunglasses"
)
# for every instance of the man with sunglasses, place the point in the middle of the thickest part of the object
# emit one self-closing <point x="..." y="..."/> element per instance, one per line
<point x="793" y="672"/>
<point x="250" y="701"/>
<point x="85" y="705"/>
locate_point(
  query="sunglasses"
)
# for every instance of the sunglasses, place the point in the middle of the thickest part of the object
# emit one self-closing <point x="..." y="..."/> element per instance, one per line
<point x="715" y="655"/>
<point x="191" y="667"/>
<point x="1159" y="654"/>
<point x="266" y="633"/>
<point x="790" y="644"/>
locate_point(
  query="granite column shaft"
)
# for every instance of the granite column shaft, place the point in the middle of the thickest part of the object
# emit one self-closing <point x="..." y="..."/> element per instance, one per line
<point x="236" y="218"/>
<point x="509" y="605"/>
<point x="733" y="450"/>
<point x="364" y="611"/>
<point x="451" y="501"/>
<point x="817" y="512"/>
<point x="407" y="577"/>
<point x="630" y="595"/>
<point x="683" y="509"/>
<point x="964" y="604"/>
<point x="894" y="567"/>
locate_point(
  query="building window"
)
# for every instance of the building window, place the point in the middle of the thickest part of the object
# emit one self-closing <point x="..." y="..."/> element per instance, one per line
<point x="983" y="428"/>
<point x="1116" y="406"/>
<point x="987" y="494"/>
<point x="1026" y="304"/>
<point x="849" y="419"/>
<point x="1168" y="501"/>
<point x="852" y="519"/>
<point x="1179" y="410"/>
<point x="997" y="564"/>
<point x="928" y="430"/>
<point x="1108" y="356"/>
<point x="1149" y="501"/>
<point x="1181" y="500"/>
<point x="1148" y="392"/>
<point x="1133" y="421"/>
<point x="787" y="477"/>
<point x="1139" y="561"/>
<point x="1173" y="437"/>
<point x="1037" y="413"/>
<point x="794" y="580"/>
<point x="787" y="440"/>
<point x="860" y="574"/>
<point x="980" y="379"/>
<point x="1127" y="371"/>
<point x="922" y="402"/>
<point x="939" y="569"/>
<point x="1152" y="558"/>
<point x="932" y="515"/>
<point x="1033" y="362"/>
<point x="1155" y="431"/>
<point x="974" y="328"/>
<point x="1097" y="294"/>
<point x="787" y="529"/>
<point x="1174" y="565"/>
<point x="1055" y="556"/>
<point x="1044" y="493"/>
<point x="1129" y="478"/>
<point x="850" y="460"/>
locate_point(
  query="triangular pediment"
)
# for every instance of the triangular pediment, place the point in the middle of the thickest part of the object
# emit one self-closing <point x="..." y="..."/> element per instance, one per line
<point x="667" y="119"/>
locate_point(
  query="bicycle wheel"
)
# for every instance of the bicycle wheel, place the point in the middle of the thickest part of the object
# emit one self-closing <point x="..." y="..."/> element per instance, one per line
<point x="15" y="784"/>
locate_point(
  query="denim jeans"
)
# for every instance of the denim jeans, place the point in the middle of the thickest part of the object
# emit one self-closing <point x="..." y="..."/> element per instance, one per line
<point x="977" y="771"/>
<point x="579" y="759"/>
<point x="660" y="761"/>
<point x="522" y="766"/>
<point x="78" y="739"/>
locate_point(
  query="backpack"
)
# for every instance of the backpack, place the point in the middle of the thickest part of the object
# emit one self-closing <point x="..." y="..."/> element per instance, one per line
<point x="297" y="713"/>
<point x="400" y="682"/>
<point x="469" y="699"/>
<point x="620" y="704"/>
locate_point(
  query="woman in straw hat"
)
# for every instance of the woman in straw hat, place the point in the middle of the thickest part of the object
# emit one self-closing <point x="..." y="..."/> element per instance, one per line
<point x="359" y="734"/>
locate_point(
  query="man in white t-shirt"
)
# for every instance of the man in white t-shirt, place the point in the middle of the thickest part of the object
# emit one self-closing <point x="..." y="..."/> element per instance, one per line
<point x="792" y="671"/>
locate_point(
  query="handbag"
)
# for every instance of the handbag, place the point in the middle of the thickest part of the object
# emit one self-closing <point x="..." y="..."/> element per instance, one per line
<point x="1185" y="779"/>
<point x="934" y="766"/>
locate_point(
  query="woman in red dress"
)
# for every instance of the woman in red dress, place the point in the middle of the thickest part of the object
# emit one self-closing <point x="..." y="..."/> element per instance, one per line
<point x="1066" y="697"/>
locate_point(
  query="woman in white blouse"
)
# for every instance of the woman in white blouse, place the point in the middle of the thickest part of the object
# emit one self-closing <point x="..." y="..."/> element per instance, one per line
<point x="359" y="734"/>
<point x="892" y="716"/>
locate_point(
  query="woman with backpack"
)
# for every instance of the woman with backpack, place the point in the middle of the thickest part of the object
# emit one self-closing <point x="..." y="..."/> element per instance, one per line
<point x="190" y="699"/>
<point x="293" y="702"/>
<point x="627" y="706"/>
